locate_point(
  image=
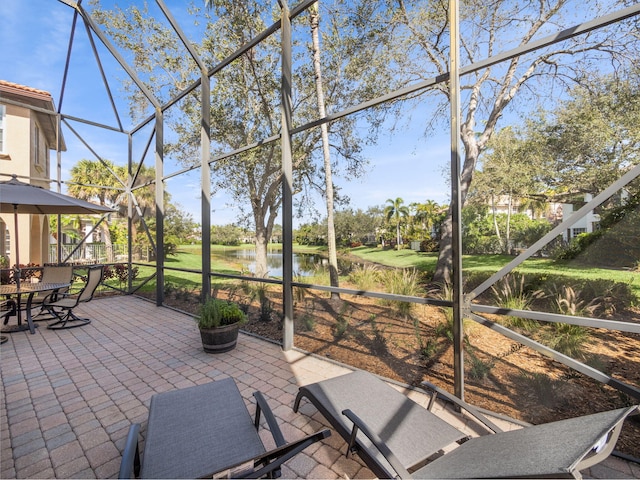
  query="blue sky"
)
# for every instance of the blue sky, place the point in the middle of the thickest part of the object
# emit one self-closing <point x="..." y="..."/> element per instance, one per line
<point x="35" y="38"/>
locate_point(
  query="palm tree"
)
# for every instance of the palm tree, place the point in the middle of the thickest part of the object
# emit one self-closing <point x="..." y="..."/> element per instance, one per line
<point x="425" y="215"/>
<point x="396" y="211"/>
<point x="537" y="205"/>
<point x="97" y="181"/>
<point x="144" y="197"/>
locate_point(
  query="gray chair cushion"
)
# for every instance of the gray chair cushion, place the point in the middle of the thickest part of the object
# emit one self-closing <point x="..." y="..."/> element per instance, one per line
<point x="411" y="431"/>
<point x="551" y="449"/>
<point x="196" y="431"/>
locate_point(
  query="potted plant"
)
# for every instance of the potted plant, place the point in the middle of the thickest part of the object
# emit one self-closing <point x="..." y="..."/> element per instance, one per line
<point x="219" y="322"/>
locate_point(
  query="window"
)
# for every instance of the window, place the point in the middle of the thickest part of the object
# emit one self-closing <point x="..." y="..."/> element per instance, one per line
<point x="36" y="145"/>
<point x="2" y="128"/>
<point x="578" y="231"/>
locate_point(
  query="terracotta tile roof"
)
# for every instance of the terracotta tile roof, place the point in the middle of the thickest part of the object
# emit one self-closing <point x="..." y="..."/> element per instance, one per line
<point x="16" y="88"/>
<point x="40" y="101"/>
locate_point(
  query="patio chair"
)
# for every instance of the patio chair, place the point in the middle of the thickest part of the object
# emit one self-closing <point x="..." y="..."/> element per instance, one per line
<point x="397" y="438"/>
<point x="51" y="274"/>
<point x="61" y="306"/>
<point x="206" y="431"/>
<point x="7" y="309"/>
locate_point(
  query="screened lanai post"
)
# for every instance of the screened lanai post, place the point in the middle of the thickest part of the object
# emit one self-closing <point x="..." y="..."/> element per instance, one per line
<point x="205" y="176"/>
<point x="159" y="207"/>
<point x="205" y="150"/>
<point x="456" y="200"/>
<point x="130" y="182"/>
<point x="59" y="178"/>
<point x="287" y="181"/>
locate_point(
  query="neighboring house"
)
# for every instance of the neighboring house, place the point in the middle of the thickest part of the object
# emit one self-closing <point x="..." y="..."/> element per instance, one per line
<point x="555" y="213"/>
<point x="502" y="202"/>
<point x="587" y="224"/>
<point x="27" y="135"/>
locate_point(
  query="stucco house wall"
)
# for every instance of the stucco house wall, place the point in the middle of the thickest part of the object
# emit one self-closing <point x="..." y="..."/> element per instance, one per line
<point x="28" y="136"/>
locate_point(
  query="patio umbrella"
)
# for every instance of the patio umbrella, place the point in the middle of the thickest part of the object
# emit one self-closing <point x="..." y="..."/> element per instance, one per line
<point x="19" y="197"/>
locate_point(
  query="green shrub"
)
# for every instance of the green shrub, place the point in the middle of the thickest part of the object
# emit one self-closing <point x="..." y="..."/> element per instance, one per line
<point x="427" y="349"/>
<point x="473" y="279"/>
<point x="308" y="319"/>
<point x="608" y="296"/>
<point x="379" y="345"/>
<point x="567" y="339"/>
<point x="613" y="296"/>
<point x="341" y="327"/>
<point x="216" y="313"/>
<point x="615" y="243"/>
<point x="320" y="275"/>
<point x="478" y="369"/>
<point x="511" y="292"/>
<point x="308" y="322"/>
<point x="299" y="293"/>
<point x="568" y="301"/>
<point x="445" y="329"/>
<point x="429" y="245"/>
<point x="365" y="277"/>
<point x="402" y="282"/>
<point x="576" y="246"/>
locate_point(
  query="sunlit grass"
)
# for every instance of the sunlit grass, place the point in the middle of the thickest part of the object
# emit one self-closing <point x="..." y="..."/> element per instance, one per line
<point x="190" y="257"/>
<point x="489" y="264"/>
<point x="397" y="258"/>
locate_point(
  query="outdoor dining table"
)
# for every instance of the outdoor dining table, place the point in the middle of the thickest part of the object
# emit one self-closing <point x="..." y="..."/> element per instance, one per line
<point x="31" y="289"/>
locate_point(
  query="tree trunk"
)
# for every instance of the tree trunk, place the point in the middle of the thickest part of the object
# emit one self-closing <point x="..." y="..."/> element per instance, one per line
<point x="331" y="231"/>
<point x="264" y="219"/>
<point x="495" y="223"/>
<point x="472" y="152"/>
<point x="261" y="252"/>
<point x="507" y="234"/>
<point x="444" y="266"/>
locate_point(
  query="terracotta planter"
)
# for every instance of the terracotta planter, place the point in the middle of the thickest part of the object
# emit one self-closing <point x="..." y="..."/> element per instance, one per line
<point x="219" y="339"/>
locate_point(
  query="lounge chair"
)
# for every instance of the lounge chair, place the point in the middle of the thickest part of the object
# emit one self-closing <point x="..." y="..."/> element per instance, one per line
<point x="397" y="438"/>
<point x="60" y="306"/>
<point x="206" y="430"/>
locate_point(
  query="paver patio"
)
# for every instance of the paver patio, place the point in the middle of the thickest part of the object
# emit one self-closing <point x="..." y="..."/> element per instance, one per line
<point x="68" y="397"/>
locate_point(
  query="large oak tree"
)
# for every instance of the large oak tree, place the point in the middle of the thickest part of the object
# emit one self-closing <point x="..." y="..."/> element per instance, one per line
<point x="421" y="39"/>
<point x="245" y="100"/>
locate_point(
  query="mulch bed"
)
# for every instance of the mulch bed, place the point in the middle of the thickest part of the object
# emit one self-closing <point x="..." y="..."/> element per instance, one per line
<point x="502" y="376"/>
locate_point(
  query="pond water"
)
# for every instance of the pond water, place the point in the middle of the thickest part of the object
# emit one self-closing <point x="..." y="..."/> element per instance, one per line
<point x="304" y="264"/>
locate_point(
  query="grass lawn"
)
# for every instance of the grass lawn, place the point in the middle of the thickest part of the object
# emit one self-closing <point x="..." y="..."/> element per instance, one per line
<point x="492" y="263"/>
<point x="190" y="257"/>
<point x="397" y="258"/>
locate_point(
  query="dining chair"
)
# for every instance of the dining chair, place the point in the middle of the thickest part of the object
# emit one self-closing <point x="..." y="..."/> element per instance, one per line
<point x="51" y="274"/>
<point x="61" y="306"/>
<point x="7" y="309"/>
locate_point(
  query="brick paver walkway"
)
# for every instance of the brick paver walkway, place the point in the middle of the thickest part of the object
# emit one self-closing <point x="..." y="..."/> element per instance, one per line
<point x="68" y="397"/>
